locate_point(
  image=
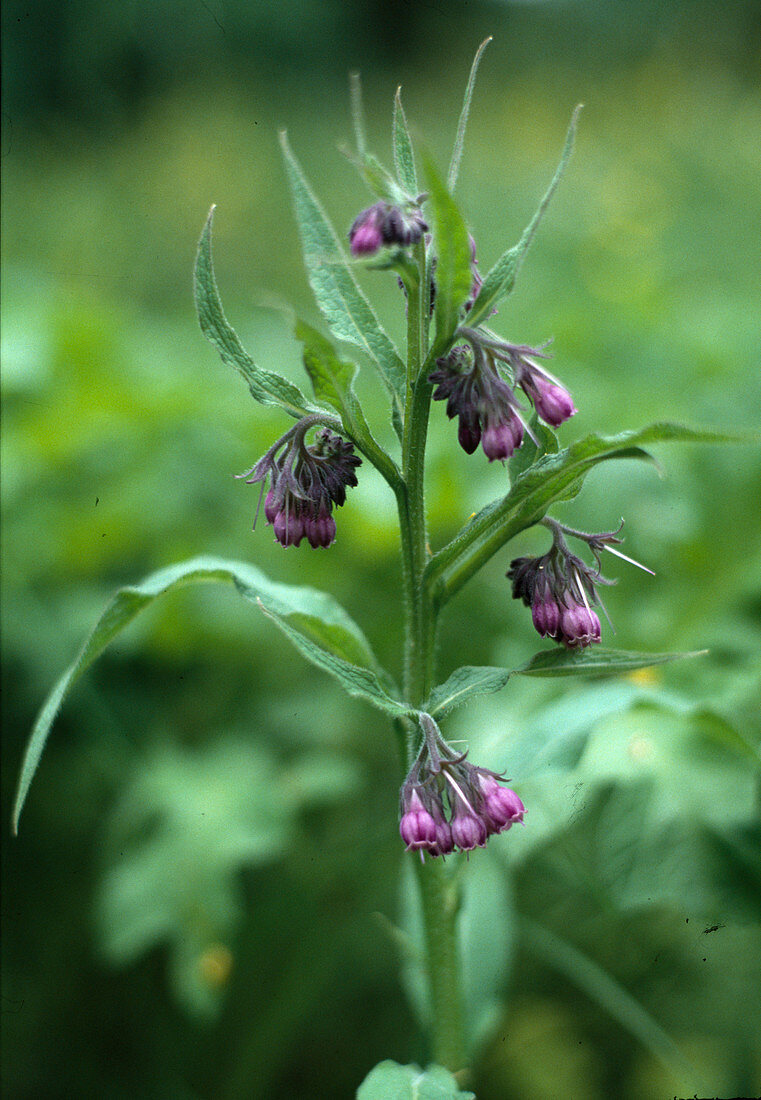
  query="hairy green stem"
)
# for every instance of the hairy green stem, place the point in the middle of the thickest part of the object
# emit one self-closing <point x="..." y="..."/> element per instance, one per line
<point x="439" y="893"/>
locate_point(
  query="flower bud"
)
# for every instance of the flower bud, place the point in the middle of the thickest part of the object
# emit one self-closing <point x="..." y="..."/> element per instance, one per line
<point x="417" y="827"/>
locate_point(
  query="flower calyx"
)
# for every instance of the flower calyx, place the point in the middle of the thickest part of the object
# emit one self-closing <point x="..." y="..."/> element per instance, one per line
<point x="305" y="481"/>
<point x="448" y="804"/>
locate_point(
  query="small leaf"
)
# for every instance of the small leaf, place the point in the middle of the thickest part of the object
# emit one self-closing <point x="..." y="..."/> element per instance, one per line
<point x="454" y="277"/>
<point x="454" y="165"/>
<point x="332" y="381"/>
<point x="390" y="1081"/>
<point x="265" y="386"/>
<point x="596" y="661"/>
<point x="344" y="306"/>
<point x="530" y="452"/>
<point x="501" y="279"/>
<point x="357" y="112"/>
<point x="464" y="683"/>
<point x="316" y="624"/>
<point x="404" y="157"/>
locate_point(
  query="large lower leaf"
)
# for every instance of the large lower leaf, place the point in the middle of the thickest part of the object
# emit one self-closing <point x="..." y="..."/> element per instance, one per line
<point x="316" y="624"/>
<point x="553" y="478"/>
<point x="337" y="292"/>
<point x="265" y="385"/>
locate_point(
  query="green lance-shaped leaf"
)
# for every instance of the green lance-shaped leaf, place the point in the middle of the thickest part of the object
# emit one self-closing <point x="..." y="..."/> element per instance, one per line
<point x="454" y="277"/>
<point x="344" y="306"/>
<point x="404" y="157"/>
<point x="454" y="165"/>
<point x="316" y="624"/>
<point x="333" y="382"/>
<point x="501" y="279"/>
<point x="596" y="661"/>
<point x="391" y="1081"/>
<point x="553" y="478"/>
<point x="462" y="685"/>
<point x="265" y="385"/>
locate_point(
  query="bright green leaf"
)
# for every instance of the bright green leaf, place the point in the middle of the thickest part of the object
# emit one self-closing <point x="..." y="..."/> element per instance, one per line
<point x="555" y="477"/>
<point x="462" y="685"/>
<point x="404" y="157"/>
<point x="390" y="1081"/>
<point x="316" y="624"/>
<point x="596" y="661"/>
<point x="332" y="381"/>
<point x="346" y="309"/>
<point x="454" y="165"/>
<point x="265" y="385"/>
<point x="454" y="277"/>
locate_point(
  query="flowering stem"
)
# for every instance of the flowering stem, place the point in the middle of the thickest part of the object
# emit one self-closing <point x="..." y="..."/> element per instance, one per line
<point x="439" y="893"/>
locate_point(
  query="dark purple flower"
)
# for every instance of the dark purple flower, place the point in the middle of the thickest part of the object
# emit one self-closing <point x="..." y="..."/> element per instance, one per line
<point x="305" y="483"/>
<point x="553" y="402"/>
<point x="560" y="588"/>
<point x="383" y="224"/>
<point x="485" y="404"/>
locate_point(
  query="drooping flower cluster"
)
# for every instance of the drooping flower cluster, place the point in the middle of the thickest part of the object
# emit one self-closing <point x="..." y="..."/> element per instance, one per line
<point x="448" y="804"/>
<point x="475" y="389"/>
<point x="384" y="224"/>
<point x="561" y="589"/>
<point x="304" y="483"/>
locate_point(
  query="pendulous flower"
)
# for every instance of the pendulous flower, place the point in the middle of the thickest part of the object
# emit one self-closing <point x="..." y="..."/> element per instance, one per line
<point x="448" y="803"/>
<point x="561" y="589"/>
<point x="305" y="481"/>
<point x="485" y="404"/>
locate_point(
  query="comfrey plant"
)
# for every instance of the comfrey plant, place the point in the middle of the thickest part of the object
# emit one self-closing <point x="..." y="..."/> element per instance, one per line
<point x="507" y="402"/>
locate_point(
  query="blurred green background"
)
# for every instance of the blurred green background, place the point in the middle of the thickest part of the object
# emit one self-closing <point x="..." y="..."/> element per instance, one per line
<point x="191" y="909"/>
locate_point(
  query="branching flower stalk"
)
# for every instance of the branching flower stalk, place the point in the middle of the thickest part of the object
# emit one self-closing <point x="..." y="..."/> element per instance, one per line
<point x="507" y="403"/>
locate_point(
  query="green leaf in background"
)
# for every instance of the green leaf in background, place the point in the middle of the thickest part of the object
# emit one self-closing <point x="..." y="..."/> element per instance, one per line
<point x="390" y="1081"/>
<point x="454" y="277"/>
<point x="602" y="987"/>
<point x="344" y="306"/>
<point x="462" y="685"/>
<point x="404" y="157"/>
<point x="486" y="930"/>
<point x="316" y="624"/>
<point x="501" y="279"/>
<point x="454" y="164"/>
<point x="265" y="385"/>
<point x="333" y="382"/>
<point x="596" y="661"/>
<point x="554" y="477"/>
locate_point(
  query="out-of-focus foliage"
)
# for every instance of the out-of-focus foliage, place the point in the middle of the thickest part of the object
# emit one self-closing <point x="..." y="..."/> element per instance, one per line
<point x="212" y="815"/>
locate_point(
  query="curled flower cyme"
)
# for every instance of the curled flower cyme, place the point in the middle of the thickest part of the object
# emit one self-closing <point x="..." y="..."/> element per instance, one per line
<point x="305" y="482"/>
